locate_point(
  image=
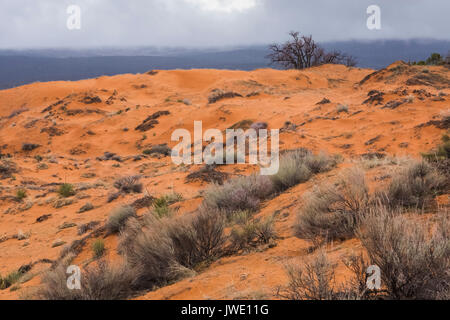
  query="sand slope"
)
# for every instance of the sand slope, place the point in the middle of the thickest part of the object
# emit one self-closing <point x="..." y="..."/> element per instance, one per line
<point x="393" y="111"/>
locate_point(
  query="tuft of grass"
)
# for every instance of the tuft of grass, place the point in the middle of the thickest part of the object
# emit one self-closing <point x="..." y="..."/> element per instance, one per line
<point x="7" y="168"/>
<point x="101" y="281"/>
<point x="98" y="247"/>
<point x="342" y="108"/>
<point x="251" y="233"/>
<point x="243" y="193"/>
<point x="10" y="279"/>
<point x="66" y="190"/>
<point x="21" y="194"/>
<point x="167" y="249"/>
<point x="413" y="186"/>
<point x="334" y="212"/>
<point x="118" y="217"/>
<point x="162" y="149"/>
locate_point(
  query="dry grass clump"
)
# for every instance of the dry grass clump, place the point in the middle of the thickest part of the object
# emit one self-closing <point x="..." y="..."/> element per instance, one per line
<point x="164" y="250"/>
<point x="315" y="280"/>
<point x="298" y="166"/>
<point x="413" y="186"/>
<point x="66" y="190"/>
<point x="98" y="248"/>
<point x="334" y="212"/>
<point x="7" y="168"/>
<point x="29" y="146"/>
<point x="10" y="279"/>
<point x="118" y="217"/>
<point x="129" y="184"/>
<point x="249" y="233"/>
<point x="101" y="281"/>
<point x="161" y="206"/>
<point x="207" y="173"/>
<point x="414" y="262"/>
<point x="243" y="193"/>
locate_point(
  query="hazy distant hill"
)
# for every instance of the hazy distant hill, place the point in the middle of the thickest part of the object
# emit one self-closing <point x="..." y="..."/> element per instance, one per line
<point x="26" y="66"/>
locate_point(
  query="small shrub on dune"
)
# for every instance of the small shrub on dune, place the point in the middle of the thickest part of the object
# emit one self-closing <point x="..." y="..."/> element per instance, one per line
<point x="21" y="194"/>
<point x="334" y="212"/>
<point x="98" y="248"/>
<point x="168" y="249"/>
<point x="148" y="248"/>
<point x="7" y="168"/>
<point x="315" y="280"/>
<point x="413" y="186"/>
<point x="29" y="146"/>
<point x="161" y="205"/>
<point x="414" y="263"/>
<point x="321" y="162"/>
<point x="243" y="193"/>
<point x="66" y="190"/>
<point x="118" y="217"/>
<point x="129" y="184"/>
<point x="162" y="149"/>
<point x="252" y="233"/>
<point x="293" y="170"/>
<point x="312" y="281"/>
<point x="298" y="166"/>
<point x="10" y="279"/>
<point x="101" y="281"/>
<point x="197" y="238"/>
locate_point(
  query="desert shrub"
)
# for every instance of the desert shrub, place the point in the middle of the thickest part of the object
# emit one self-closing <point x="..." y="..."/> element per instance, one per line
<point x="118" y="217"/>
<point x="198" y="238"/>
<point x="240" y="217"/>
<point x="29" y="146"/>
<point x="342" y="108"/>
<point x="167" y="249"/>
<point x="113" y="196"/>
<point x="414" y="263"/>
<point x="334" y="212"/>
<point x="21" y="194"/>
<point x="7" y="168"/>
<point x="82" y="229"/>
<point x="129" y="184"/>
<point x="148" y="248"/>
<point x="321" y="162"/>
<point x="161" y="205"/>
<point x="208" y="173"/>
<point x="101" y="281"/>
<point x="66" y="190"/>
<point x="98" y="248"/>
<point x="312" y="281"/>
<point x="243" y="193"/>
<point x="162" y="149"/>
<point x="10" y="279"/>
<point x="413" y="186"/>
<point x="293" y="170"/>
<point x="252" y="232"/>
<point x="87" y="207"/>
<point x="315" y="280"/>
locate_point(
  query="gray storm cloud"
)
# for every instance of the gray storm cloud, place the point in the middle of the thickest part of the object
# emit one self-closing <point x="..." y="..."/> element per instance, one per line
<point x="31" y="23"/>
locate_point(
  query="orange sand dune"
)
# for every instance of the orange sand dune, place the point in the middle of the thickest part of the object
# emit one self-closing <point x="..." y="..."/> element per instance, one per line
<point x="74" y="123"/>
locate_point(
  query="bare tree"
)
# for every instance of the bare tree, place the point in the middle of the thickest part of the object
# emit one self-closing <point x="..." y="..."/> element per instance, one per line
<point x="302" y="52"/>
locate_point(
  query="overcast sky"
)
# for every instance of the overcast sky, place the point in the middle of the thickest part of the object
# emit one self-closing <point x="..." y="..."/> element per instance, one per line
<point x="42" y="23"/>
